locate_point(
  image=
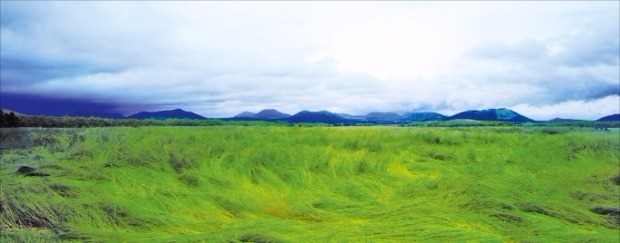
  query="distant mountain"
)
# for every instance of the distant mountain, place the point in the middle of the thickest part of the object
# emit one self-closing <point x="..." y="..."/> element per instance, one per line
<point x="270" y="114"/>
<point x="349" y="116"/>
<point x="177" y="113"/>
<point x="384" y="117"/>
<point x="557" y="119"/>
<point x="245" y="114"/>
<point x="318" y="116"/>
<point x="501" y="114"/>
<point x="424" y="116"/>
<point x="614" y="117"/>
<point x="100" y="114"/>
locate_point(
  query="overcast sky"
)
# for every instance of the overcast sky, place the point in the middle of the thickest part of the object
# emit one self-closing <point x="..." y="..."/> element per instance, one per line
<point x="542" y="59"/>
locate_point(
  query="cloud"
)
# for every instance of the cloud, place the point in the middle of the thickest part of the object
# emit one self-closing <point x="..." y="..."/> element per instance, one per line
<point x="523" y="50"/>
<point x="582" y="65"/>
<point x="588" y="110"/>
<point x="220" y="58"/>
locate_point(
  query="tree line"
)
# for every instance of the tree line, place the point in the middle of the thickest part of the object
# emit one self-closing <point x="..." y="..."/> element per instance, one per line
<point x="8" y="119"/>
<point x="12" y="120"/>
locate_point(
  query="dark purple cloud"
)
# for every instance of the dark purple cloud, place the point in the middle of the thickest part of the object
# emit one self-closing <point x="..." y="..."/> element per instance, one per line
<point x="39" y="105"/>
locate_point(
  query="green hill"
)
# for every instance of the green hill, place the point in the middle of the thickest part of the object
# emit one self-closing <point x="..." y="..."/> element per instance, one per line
<point x="501" y="114"/>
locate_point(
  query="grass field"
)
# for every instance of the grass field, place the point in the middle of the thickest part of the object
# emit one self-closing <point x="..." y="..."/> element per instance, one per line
<point x="310" y="184"/>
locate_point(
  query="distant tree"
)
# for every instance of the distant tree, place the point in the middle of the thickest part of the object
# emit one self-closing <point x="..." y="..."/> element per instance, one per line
<point x="12" y="120"/>
<point x="2" y="120"/>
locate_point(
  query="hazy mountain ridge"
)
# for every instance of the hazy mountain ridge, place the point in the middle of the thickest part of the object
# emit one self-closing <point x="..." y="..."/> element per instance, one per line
<point x="384" y="117"/>
<point x="558" y="119"/>
<point x="349" y="116"/>
<point x="270" y="114"/>
<point x="424" y="116"/>
<point x="245" y="114"/>
<point x="379" y="117"/>
<point x="614" y="117"/>
<point x="376" y="117"/>
<point x="318" y="116"/>
<point x="501" y="114"/>
<point x="176" y="113"/>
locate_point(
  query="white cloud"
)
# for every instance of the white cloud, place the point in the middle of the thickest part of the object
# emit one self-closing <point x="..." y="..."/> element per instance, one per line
<point x="220" y="58"/>
<point x="588" y="110"/>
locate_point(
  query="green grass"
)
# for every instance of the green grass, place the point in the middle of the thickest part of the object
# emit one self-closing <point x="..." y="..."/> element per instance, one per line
<point x="310" y="184"/>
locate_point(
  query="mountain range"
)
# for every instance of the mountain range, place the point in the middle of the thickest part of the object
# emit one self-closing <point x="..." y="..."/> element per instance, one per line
<point x="329" y="117"/>
<point x="501" y="114"/>
<point x="318" y="116"/>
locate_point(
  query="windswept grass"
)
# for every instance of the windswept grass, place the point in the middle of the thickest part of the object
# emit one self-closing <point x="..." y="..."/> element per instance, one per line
<point x="312" y="184"/>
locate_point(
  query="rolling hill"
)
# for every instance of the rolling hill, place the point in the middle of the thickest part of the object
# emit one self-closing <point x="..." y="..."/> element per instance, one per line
<point x="501" y="114"/>
<point x="557" y="119"/>
<point x="177" y="113"/>
<point x="614" y="117"/>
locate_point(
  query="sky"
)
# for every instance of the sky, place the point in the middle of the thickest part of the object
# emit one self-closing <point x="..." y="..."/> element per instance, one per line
<point x="542" y="59"/>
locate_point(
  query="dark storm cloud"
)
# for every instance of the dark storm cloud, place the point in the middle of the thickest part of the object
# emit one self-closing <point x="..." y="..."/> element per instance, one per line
<point x="25" y="72"/>
<point x="31" y="104"/>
